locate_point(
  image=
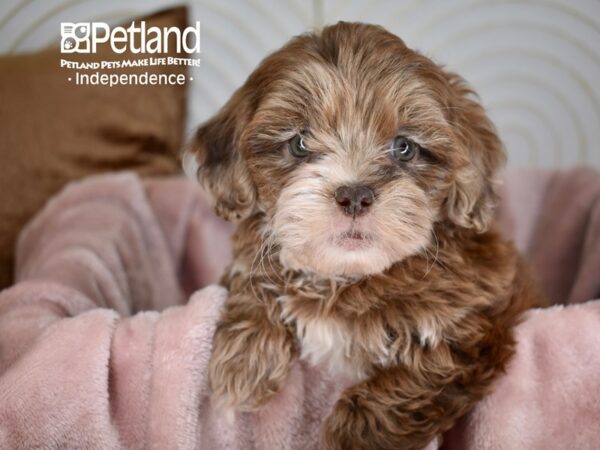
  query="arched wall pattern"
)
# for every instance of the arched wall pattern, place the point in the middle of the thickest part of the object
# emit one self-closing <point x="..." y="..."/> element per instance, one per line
<point x="535" y="63"/>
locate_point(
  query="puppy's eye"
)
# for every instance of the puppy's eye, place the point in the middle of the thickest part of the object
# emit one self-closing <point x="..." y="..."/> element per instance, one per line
<point x="298" y="147"/>
<point x="403" y="149"/>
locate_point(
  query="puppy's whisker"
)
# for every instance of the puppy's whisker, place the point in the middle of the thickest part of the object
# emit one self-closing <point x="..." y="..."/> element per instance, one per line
<point x="269" y="254"/>
<point x="435" y="259"/>
<point x="426" y="252"/>
<point x="264" y="252"/>
<point x="258" y="262"/>
<point x="252" y="273"/>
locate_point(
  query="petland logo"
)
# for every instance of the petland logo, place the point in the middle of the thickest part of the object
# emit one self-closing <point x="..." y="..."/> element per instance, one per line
<point x="84" y="37"/>
<point x="155" y="47"/>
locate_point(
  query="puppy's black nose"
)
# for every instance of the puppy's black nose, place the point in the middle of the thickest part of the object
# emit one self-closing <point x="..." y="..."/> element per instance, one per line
<point x="354" y="200"/>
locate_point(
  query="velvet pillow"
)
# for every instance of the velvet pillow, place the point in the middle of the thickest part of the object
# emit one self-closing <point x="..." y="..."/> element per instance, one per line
<point x="53" y="131"/>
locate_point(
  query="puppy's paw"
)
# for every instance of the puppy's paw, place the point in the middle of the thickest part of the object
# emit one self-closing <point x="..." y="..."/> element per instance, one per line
<point x="250" y="362"/>
<point x="358" y="423"/>
<point x="346" y="428"/>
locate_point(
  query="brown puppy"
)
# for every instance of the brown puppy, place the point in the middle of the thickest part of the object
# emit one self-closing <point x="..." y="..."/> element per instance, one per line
<point x="364" y="178"/>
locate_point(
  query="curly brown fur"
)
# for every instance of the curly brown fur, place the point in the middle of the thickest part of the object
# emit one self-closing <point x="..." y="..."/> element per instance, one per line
<point x="414" y="296"/>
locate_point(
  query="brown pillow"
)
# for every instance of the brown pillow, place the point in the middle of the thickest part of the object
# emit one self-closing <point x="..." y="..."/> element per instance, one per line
<point x="53" y="131"/>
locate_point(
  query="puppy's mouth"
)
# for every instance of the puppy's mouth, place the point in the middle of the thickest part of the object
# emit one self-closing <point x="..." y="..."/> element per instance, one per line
<point x="352" y="240"/>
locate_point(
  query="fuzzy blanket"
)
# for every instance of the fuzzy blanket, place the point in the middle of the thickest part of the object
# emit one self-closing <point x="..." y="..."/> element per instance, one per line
<point x="101" y="348"/>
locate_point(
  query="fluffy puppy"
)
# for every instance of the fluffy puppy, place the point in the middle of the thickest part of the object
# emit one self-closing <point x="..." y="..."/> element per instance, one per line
<point x="362" y="176"/>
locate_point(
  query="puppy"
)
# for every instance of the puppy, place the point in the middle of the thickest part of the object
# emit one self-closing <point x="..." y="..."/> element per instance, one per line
<point x="363" y="179"/>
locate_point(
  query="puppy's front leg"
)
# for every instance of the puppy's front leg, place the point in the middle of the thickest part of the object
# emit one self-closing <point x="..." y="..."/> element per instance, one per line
<point x="252" y="352"/>
<point x="395" y="410"/>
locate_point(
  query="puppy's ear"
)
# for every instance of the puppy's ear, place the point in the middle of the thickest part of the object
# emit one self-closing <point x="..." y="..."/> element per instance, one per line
<point x="474" y="192"/>
<point x="222" y="168"/>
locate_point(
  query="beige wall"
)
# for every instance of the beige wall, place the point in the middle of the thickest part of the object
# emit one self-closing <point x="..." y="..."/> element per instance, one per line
<point x="536" y="63"/>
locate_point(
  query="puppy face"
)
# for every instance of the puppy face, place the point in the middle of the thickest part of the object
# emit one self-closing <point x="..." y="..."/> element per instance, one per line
<point x="353" y="146"/>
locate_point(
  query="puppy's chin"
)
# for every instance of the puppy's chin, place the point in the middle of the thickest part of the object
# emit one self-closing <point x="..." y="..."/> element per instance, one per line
<point x="341" y="258"/>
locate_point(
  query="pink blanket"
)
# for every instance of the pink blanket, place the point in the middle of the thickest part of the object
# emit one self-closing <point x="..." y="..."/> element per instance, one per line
<point x="99" y="349"/>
